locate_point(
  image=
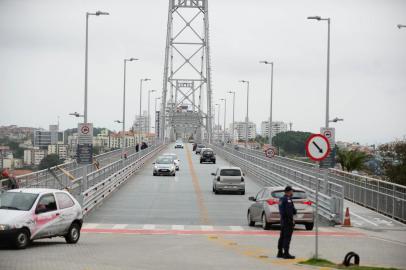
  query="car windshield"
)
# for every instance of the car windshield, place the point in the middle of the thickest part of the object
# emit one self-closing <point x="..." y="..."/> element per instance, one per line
<point x="208" y="153"/>
<point x="230" y="172"/>
<point x="17" y="200"/>
<point x="164" y="160"/>
<point x="296" y="194"/>
<point x="201" y="146"/>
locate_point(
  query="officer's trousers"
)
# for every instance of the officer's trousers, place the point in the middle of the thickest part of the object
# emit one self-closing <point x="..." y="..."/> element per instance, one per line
<point x="285" y="236"/>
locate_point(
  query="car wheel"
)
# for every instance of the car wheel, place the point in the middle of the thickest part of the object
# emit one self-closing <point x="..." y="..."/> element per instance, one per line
<point x="309" y="226"/>
<point x="73" y="235"/>
<point x="174" y="174"/>
<point x="154" y="174"/>
<point x="251" y="223"/>
<point x="22" y="239"/>
<point x="201" y="162"/>
<point x="216" y="191"/>
<point x="265" y="224"/>
<point x="214" y="162"/>
<point x="242" y="192"/>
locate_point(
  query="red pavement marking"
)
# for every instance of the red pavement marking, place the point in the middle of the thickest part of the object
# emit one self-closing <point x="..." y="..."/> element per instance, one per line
<point x="201" y="232"/>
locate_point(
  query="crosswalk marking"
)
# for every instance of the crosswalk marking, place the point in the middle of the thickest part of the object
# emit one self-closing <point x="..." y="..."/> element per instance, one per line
<point x="178" y="227"/>
<point x="90" y="225"/>
<point x="236" y="228"/>
<point x="149" y="227"/>
<point x="120" y="226"/>
<point x="206" y="228"/>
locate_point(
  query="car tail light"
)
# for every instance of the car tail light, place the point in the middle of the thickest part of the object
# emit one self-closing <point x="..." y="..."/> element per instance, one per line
<point x="272" y="202"/>
<point x="242" y="179"/>
<point x="218" y="178"/>
<point x="307" y="202"/>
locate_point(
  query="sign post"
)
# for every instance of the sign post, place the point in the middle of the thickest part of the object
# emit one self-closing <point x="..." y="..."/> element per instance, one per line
<point x="84" y="153"/>
<point x="317" y="149"/>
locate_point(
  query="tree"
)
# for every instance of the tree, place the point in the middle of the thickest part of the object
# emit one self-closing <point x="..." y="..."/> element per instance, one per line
<point x="351" y="160"/>
<point x="49" y="161"/>
<point x="394" y="161"/>
<point x="291" y="142"/>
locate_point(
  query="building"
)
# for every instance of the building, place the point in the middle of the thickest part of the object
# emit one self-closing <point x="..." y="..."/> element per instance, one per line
<point x="34" y="156"/>
<point x="115" y="139"/>
<point x="102" y="140"/>
<point x="27" y="157"/>
<point x="59" y="149"/>
<point x="240" y="129"/>
<point x="44" y="138"/>
<point x="277" y="127"/>
<point x="72" y="144"/>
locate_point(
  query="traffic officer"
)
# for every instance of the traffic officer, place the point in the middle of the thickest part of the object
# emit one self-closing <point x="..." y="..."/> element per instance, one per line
<point x="286" y="210"/>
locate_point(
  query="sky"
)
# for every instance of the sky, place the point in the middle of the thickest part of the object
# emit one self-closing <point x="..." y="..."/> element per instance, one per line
<point x="42" y="61"/>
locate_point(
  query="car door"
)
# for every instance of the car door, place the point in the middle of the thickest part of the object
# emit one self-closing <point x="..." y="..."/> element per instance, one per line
<point x="46" y="216"/>
<point x="67" y="212"/>
<point x="256" y="207"/>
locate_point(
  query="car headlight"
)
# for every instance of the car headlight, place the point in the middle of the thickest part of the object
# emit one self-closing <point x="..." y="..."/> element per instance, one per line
<point x="172" y="168"/>
<point x="5" y="227"/>
<point x="155" y="167"/>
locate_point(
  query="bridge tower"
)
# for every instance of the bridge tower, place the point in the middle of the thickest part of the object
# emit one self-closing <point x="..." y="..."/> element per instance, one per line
<point x="187" y="93"/>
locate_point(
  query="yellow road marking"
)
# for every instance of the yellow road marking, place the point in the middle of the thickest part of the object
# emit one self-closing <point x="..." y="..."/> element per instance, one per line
<point x="204" y="216"/>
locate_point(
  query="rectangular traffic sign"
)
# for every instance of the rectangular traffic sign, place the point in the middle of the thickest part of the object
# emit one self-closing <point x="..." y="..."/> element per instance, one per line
<point x="85" y="133"/>
<point x="84" y="153"/>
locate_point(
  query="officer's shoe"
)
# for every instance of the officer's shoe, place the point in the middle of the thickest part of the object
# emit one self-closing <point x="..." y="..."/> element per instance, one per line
<point x="280" y="254"/>
<point x="288" y="256"/>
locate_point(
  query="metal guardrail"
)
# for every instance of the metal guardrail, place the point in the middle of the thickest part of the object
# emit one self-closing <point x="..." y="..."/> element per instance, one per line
<point x="330" y="196"/>
<point x="46" y="176"/>
<point x="381" y="196"/>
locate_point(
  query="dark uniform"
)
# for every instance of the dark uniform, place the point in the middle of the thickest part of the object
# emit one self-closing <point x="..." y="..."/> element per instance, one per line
<point x="286" y="210"/>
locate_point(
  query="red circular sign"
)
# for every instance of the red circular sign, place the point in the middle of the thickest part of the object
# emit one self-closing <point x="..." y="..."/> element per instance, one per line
<point x="322" y="147"/>
<point x="85" y="129"/>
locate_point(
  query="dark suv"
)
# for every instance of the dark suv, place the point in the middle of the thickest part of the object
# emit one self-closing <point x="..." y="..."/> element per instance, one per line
<point x="208" y="155"/>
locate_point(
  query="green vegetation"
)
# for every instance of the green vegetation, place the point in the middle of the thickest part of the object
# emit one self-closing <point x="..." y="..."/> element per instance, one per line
<point x="49" y="161"/>
<point x="351" y="160"/>
<point x="394" y="162"/>
<point x="291" y="142"/>
<point x="326" y="263"/>
<point x="18" y="152"/>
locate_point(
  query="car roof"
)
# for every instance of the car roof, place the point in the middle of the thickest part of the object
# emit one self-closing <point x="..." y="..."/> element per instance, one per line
<point x="35" y="190"/>
<point x="282" y="188"/>
<point x="229" y="167"/>
<point x="204" y="149"/>
<point x="169" y="154"/>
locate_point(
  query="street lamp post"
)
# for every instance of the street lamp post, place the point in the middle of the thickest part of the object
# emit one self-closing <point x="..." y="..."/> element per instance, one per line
<point x="233" y="92"/>
<point x="218" y="120"/>
<point x="97" y="13"/>
<point x="271" y="101"/>
<point x="149" y="117"/>
<point x="318" y="18"/>
<point x="155" y="118"/>
<point x="140" y="118"/>
<point x="123" y="121"/>
<point x="246" y="117"/>
<point x="225" y="113"/>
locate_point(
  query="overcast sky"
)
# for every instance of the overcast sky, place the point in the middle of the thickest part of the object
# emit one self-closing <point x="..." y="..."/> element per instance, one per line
<point x="42" y="61"/>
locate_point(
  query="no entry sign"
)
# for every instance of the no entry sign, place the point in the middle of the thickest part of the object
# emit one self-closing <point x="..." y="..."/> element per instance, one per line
<point x="317" y="147"/>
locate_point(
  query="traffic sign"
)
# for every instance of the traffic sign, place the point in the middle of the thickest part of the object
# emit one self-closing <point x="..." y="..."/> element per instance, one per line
<point x="329" y="133"/>
<point x="85" y="133"/>
<point x="270" y="152"/>
<point x="84" y="154"/>
<point x="317" y="147"/>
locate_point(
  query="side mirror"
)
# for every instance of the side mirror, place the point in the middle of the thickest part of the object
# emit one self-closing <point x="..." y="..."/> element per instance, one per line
<point x="251" y="198"/>
<point x="153" y="163"/>
<point x="214" y="174"/>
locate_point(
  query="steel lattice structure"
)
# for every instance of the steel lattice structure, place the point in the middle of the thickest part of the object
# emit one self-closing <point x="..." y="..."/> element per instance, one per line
<point x="187" y="71"/>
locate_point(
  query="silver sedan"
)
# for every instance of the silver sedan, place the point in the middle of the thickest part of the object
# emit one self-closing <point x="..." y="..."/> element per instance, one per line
<point x="265" y="208"/>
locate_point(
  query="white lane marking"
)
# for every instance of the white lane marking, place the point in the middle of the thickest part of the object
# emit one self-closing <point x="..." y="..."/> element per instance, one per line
<point x="178" y="227"/>
<point x="148" y="227"/>
<point x="90" y="225"/>
<point x="383" y="221"/>
<point x="206" y="228"/>
<point x="120" y="226"/>
<point x="236" y="228"/>
<point x="364" y="219"/>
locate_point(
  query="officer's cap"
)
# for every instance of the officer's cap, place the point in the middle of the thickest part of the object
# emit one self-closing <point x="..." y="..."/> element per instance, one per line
<point x="288" y="188"/>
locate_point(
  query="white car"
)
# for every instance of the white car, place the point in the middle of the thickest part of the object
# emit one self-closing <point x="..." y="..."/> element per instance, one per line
<point x="174" y="158"/>
<point x="33" y="213"/>
<point x="229" y="179"/>
<point x="178" y="145"/>
<point x="164" y="165"/>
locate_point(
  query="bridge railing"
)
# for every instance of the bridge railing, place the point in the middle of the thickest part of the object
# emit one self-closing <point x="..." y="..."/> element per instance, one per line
<point x="330" y="197"/>
<point x="47" y="176"/>
<point x="378" y="195"/>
